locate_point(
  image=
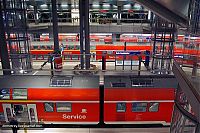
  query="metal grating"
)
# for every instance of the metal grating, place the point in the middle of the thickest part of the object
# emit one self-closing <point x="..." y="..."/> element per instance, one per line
<point x="142" y="83"/>
<point x="61" y="82"/>
<point x="118" y="84"/>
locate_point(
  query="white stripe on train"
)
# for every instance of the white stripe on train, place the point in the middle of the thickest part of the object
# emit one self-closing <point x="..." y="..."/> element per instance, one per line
<point x="31" y="101"/>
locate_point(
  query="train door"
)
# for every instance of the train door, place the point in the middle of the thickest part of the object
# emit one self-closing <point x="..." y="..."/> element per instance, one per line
<point x="22" y="112"/>
<point x="8" y="112"/>
<point x="32" y="112"/>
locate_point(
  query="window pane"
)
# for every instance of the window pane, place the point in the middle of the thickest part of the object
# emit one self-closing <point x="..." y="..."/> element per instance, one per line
<point x="64" y="107"/>
<point x="4" y="93"/>
<point x="19" y="93"/>
<point x="49" y="107"/>
<point x="153" y="107"/>
<point x="121" y="107"/>
<point x="2" y="117"/>
<point x="139" y="107"/>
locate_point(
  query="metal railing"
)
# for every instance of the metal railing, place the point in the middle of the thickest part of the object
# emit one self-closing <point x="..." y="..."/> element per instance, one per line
<point x="116" y="63"/>
<point x="75" y="21"/>
<point x="186" y="116"/>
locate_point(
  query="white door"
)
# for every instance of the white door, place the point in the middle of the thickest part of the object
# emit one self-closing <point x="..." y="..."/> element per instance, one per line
<point x="32" y="112"/>
<point x="8" y="112"/>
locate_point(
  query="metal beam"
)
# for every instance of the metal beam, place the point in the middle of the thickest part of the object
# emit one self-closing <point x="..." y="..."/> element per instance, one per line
<point x="3" y="46"/>
<point x="163" y="12"/>
<point x="81" y="32"/>
<point x="87" y="34"/>
<point x="101" y="105"/>
<point x="55" y="25"/>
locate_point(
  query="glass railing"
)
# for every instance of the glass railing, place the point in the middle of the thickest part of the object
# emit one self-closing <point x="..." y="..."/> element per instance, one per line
<point x="186" y="116"/>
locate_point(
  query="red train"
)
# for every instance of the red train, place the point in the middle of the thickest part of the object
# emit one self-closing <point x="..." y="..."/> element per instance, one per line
<point x="127" y="100"/>
<point x="182" y="48"/>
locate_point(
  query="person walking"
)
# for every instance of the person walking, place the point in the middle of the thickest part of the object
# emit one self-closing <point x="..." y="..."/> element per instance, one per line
<point x="14" y="124"/>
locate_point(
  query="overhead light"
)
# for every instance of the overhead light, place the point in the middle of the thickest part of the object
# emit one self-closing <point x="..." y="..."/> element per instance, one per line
<point x="127" y="6"/>
<point x="95" y="5"/>
<point x="43" y="6"/>
<point x="106" y="5"/>
<point x="64" y="5"/>
<point x="21" y="71"/>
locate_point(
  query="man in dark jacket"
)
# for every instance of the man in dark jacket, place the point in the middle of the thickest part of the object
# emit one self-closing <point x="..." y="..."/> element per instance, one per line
<point x="14" y="123"/>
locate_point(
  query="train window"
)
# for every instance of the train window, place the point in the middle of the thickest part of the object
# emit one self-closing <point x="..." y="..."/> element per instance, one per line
<point x="43" y="47"/>
<point x="153" y="107"/>
<point x="118" y="84"/>
<point x="35" y="47"/>
<point x="48" y="47"/>
<point x="64" y="107"/>
<point x="74" y="57"/>
<point x="76" y="47"/>
<point x="4" y="93"/>
<point x="2" y="117"/>
<point x="19" y="93"/>
<point x="49" y="107"/>
<point x="139" y="107"/>
<point x="121" y="107"/>
<point x="71" y="47"/>
<point x="142" y="82"/>
<point x="92" y="47"/>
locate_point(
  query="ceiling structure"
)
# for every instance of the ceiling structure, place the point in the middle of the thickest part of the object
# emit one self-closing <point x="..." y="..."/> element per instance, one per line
<point x="174" y="11"/>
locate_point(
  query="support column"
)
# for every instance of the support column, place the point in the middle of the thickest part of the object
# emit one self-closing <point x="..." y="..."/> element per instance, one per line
<point x="84" y="33"/>
<point x="3" y="46"/>
<point x="55" y="25"/>
<point x="101" y="105"/>
<point x="36" y="17"/>
<point x="81" y="32"/>
<point x="87" y="34"/>
<point x="119" y="10"/>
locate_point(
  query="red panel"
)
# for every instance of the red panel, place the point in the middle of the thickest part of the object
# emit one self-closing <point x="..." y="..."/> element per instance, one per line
<point x="139" y="94"/>
<point x="109" y="47"/>
<point x="1" y="108"/>
<point x="92" y="114"/>
<point x="35" y="52"/>
<point x="138" y="48"/>
<point x="63" y="94"/>
<point x="164" y="113"/>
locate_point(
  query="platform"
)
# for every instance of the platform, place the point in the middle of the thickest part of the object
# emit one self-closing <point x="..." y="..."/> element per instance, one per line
<point x="95" y="130"/>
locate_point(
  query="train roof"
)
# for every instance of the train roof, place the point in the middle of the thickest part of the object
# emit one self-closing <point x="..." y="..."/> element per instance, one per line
<point x="143" y="81"/>
<point x="45" y="81"/>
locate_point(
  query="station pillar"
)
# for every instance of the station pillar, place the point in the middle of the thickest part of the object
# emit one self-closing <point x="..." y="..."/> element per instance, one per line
<point x="17" y="38"/>
<point x="36" y="15"/>
<point x="163" y="46"/>
<point x="119" y="10"/>
<point x="84" y="34"/>
<point x="104" y="60"/>
<point x="87" y="34"/>
<point x="81" y="33"/>
<point x="3" y="46"/>
<point x="55" y="25"/>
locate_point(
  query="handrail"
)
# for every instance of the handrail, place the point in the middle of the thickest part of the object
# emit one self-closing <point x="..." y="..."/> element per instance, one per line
<point x="186" y="79"/>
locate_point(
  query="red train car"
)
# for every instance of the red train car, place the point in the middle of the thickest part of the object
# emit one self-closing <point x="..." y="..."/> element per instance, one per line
<point x="111" y="50"/>
<point x="139" y="100"/>
<point x="69" y="99"/>
<point x="150" y="101"/>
